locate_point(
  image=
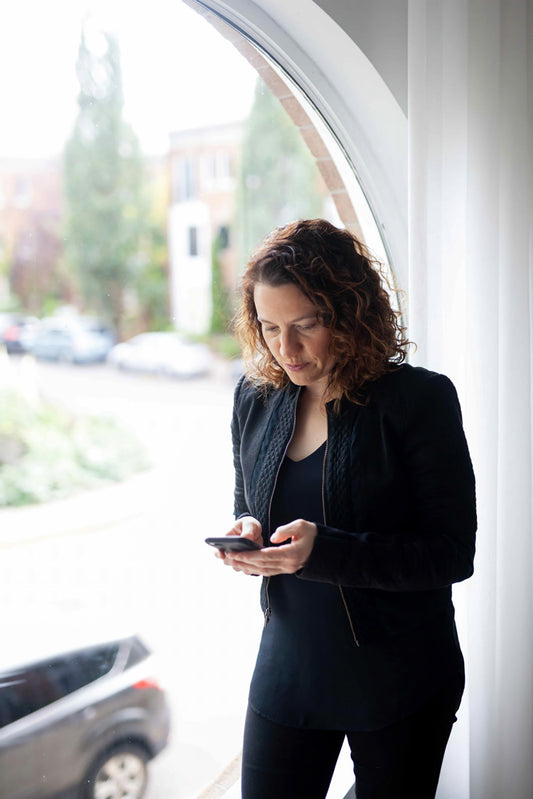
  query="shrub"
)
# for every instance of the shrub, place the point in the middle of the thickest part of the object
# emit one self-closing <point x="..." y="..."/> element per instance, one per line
<point x="48" y="453"/>
<point x="226" y="346"/>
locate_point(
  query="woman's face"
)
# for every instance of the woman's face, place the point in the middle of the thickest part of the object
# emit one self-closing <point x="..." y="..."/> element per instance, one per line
<point x="294" y="334"/>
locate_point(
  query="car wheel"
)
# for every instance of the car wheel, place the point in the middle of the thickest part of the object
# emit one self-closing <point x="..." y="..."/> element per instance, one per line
<point x="118" y="774"/>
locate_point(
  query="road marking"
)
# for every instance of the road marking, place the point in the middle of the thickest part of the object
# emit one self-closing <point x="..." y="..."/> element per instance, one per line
<point x="225" y="780"/>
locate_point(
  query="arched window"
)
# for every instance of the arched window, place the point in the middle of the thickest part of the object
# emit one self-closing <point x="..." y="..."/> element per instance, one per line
<point x="134" y="552"/>
<point x="276" y="61"/>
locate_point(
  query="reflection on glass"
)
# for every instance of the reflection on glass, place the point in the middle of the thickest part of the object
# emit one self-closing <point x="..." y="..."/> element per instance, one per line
<point x="80" y="720"/>
<point x="139" y="164"/>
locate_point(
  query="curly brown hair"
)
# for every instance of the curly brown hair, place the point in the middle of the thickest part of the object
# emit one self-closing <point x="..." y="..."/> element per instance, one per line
<point x="337" y="273"/>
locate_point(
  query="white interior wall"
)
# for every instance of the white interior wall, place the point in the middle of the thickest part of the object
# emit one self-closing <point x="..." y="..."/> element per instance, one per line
<point x="468" y="176"/>
<point x="380" y="29"/>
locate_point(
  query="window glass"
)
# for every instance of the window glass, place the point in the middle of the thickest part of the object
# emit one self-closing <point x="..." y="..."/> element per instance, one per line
<point x="137" y="653"/>
<point x="160" y="221"/>
<point x="25" y="691"/>
<point x="223" y="236"/>
<point x="187" y="179"/>
<point x="71" y="672"/>
<point x="192" y="234"/>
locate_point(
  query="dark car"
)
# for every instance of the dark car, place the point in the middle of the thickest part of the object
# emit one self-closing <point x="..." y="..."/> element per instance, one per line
<point x="19" y="333"/>
<point x="74" y="340"/>
<point x="82" y="724"/>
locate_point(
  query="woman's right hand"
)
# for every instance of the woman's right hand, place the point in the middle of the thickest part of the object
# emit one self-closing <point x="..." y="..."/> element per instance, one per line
<point x="247" y="527"/>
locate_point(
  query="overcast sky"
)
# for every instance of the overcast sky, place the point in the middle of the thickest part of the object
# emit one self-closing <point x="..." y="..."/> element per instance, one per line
<point x="178" y="72"/>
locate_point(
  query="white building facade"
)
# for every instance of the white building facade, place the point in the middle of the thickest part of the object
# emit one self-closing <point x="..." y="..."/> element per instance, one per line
<point x="203" y="169"/>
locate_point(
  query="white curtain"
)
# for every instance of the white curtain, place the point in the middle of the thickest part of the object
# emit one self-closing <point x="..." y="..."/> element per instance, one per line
<point x="471" y="313"/>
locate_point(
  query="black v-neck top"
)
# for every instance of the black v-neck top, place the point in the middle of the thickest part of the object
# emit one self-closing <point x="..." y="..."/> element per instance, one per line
<point x="309" y="671"/>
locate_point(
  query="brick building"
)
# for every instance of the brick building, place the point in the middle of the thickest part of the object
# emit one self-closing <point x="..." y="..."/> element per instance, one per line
<point x="203" y="168"/>
<point x="31" y="207"/>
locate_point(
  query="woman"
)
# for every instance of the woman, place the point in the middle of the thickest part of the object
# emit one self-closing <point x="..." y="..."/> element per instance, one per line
<point x="353" y="474"/>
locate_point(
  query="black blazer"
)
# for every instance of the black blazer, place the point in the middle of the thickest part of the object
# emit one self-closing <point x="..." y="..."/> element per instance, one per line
<point x="399" y="495"/>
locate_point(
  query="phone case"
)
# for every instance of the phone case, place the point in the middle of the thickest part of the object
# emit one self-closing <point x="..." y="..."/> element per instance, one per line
<point x="232" y="543"/>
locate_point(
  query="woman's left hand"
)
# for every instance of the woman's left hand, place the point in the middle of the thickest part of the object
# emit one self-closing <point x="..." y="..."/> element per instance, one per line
<point x="285" y="559"/>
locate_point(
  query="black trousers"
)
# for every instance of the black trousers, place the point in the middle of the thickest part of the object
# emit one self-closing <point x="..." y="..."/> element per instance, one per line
<point x="402" y="761"/>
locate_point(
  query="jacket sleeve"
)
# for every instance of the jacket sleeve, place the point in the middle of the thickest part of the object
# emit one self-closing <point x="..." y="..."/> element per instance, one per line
<point x="239" y="506"/>
<point x="439" y="549"/>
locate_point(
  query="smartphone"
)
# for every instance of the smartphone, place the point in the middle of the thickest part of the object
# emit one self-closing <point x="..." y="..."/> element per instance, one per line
<point x="232" y="543"/>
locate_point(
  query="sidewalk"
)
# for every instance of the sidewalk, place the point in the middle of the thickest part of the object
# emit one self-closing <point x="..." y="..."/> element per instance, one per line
<point x="110" y="506"/>
<point x="80" y="513"/>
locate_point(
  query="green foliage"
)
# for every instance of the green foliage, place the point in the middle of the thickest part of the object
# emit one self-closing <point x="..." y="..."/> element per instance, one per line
<point x="5" y="261"/>
<point x="151" y="281"/>
<point x="152" y="291"/>
<point x="47" y="453"/>
<point x="103" y="173"/>
<point x="225" y="345"/>
<point x="221" y="311"/>
<point x="279" y="180"/>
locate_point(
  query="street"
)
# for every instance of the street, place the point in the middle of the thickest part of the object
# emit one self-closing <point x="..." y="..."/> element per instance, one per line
<point x="132" y="557"/>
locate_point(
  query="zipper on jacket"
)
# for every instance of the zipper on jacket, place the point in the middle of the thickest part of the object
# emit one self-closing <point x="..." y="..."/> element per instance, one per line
<point x="324" y="516"/>
<point x="268" y="609"/>
<point x="348" y="614"/>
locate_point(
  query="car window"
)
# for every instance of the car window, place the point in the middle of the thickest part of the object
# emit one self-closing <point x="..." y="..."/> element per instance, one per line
<point x="137" y="652"/>
<point x="95" y="327"/>
<point x="23" y="691"/>
<point x="73" y="671"/>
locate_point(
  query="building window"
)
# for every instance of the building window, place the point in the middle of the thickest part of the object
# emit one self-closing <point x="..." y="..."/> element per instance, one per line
<point x="217" y="170"/>
<point x="23" y="192"/>
<point x="176" y="180"/>
<point x="192" y="241"/>
<point x="223" y="165"/>
<point x="209" y="168"/>
<point x="187" y="182"/>
<point x="223" y="237"/>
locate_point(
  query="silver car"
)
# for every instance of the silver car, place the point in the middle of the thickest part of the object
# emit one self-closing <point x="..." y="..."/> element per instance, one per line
<point x="169" y="354"/>
<point x="79" y="340"/>
<point x="82" y="723"/>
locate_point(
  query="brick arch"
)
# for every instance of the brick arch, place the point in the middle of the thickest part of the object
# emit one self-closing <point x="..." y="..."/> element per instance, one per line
<point x="289" y="98"/>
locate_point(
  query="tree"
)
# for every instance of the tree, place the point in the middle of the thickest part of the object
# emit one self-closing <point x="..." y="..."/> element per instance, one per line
<point x="279" y="180"/>
<point x="103" y="182"/>
<point x="221" y="311"/>
<point x="149" y="291"/>
<point x="34" y="268"/>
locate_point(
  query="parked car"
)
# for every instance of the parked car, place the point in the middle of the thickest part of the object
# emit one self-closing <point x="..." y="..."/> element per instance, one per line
<point x="6" y="319"/>
<point x="170" y="354"/>
<point x="82" y="724"/>
<point x="19" y="333"/>
<point x="79" y="339"/>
